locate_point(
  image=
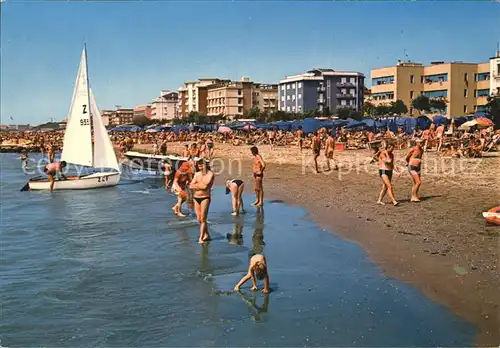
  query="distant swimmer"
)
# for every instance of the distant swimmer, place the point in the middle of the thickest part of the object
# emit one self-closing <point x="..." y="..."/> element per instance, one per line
<point x="257" y="269"/>
<point x="24" y="159"/>
<point x="179" y="186"/>
<point x="236" y="187"/>
<point x="202" y="185"/>
<point x="386" y="167"/>
<point x="414" y="162"/>
<point x="329" y="151"/>
<point x="52" y="170"/>
<point x="258" y="175"/>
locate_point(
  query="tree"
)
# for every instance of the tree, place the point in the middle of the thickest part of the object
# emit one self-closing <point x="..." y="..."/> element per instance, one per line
<point x="254" y="113"/>
<point x="327" y="112"/>
<point x="141" y="121"/>
<point x="438" y="105"/>
<point x="343" y="113"/>
<point x="493" y="107"/>
<point x="421" y="103"/>
<point x="382" y="110"/>
<point x="356" y="115"/>
<point x="368" y="109"/>
<point x="398" y="107"/>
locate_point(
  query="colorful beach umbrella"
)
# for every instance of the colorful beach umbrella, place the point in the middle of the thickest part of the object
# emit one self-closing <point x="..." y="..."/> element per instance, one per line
<point x="224" y="129"/>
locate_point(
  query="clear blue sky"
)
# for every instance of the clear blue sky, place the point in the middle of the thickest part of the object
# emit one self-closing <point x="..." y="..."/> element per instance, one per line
<point x="138" y="48"/>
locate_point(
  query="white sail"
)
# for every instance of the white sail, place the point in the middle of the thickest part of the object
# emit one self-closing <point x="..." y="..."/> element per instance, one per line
<point x="104" y="154"/>
<point x="77" y="147"/>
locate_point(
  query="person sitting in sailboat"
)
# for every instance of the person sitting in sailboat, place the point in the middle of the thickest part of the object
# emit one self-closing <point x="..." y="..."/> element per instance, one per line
<point x="52" y="170"/>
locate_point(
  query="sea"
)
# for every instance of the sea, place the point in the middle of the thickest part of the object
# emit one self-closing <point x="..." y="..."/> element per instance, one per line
<point x="114" y="267"/>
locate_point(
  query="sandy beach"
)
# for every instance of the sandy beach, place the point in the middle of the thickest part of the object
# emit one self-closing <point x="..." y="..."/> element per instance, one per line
<point x="441" y="245"/>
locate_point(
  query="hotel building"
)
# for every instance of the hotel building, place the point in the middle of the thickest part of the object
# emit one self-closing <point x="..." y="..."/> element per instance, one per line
<point x="193" y="96"/>
<point x="464" y="86"/>
<point x="165" y="106"/>
<point x="117" y="117"/>
<point x="322" y="88"/>
<point x="495" y="74"/>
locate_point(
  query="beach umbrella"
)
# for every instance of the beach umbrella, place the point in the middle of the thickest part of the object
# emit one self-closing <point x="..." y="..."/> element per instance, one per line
<point x="248" y="126"/>
<point x="224" y="129"/>
<point x="151" y="130"/>
<point x="438" y="120"/>
<point x="484" y="122"/>
<point x="467" y="125"/>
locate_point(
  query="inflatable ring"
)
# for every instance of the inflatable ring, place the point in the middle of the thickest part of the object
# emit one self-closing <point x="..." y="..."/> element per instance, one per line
<point x="493" y="216"/>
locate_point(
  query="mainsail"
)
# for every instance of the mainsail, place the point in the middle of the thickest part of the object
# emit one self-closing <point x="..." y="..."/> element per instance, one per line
<point x="77" y="147"/>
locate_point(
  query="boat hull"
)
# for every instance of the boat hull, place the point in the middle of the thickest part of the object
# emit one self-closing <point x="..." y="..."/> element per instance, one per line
<point x="152" y="162"/>
<point x="87" y="182"/>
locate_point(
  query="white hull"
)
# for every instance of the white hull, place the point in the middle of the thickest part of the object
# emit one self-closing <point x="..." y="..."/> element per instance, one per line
<point x="91" y="181"/>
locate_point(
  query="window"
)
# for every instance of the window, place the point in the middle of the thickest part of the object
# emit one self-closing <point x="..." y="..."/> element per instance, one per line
<point x="412" y="79"/>
<point x="421" y="79"/>
<point x="293" y="108"/>
<point x="436" y="78"/>
<point x="343" y="91"/>
<point x="353" y="80"/>
<point x="353" y="91"/>
<point x="240" y="100"/>
<point x="239" y="91"/>
<point x="465" y="93"/>
<point x="343" y="80"/>
<point x="240" y="109"/>
<point x="482" y="92"/>
<point x="288" y="108"/>
<point x="293" y="96"/>
<point x="288" y="86"/>
<point x="411" y="94"/>
<point x="282" y="87"/>
<point x="466" y="78"/>
<point x="282" y="98"/>
<point x="299" y="96"/>
<point x="343" y="102"/>
<point x="300" y="108"/>
<point x="288" y="97"/>
<point x="465" y="109"/>
<point x="220" y="93"/>
<point x="299" y="85"/>
<point x="483" y="76"/>
<point x="385" y="80"/>
<point x="352" y="102"/>
<point x="437" y="94"/>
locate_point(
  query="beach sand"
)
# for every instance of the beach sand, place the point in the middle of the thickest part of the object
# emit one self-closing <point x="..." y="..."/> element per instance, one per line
<point x="441" y="245"/>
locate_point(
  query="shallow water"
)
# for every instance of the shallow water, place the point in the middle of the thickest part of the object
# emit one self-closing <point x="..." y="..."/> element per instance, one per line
<point x="114" y="267"/>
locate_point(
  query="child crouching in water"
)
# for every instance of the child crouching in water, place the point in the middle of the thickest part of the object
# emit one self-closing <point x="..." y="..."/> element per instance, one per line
<point x="257" y="269"/>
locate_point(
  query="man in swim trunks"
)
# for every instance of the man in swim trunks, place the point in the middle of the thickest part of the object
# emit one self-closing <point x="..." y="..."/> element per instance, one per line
<point x="179" y="186"/>
<point x="236" y="187"/>
<point x="329" y="150"/>
<point x="202" y="184"/>
<point x="316" y="149"/>
<point x="52" y="170"/>
<point x="258" y="175"/>
<point x="386" y="167"/>
<point x="300" y="137"/>
<point x="414" y="162"/>
<point x="256" y="269"/>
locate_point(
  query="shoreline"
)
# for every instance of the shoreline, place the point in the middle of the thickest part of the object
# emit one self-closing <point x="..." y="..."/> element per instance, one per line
<point x="441" y="245"/>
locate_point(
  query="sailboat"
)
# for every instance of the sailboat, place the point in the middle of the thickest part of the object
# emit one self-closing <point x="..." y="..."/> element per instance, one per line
<point x="86" y="142"/>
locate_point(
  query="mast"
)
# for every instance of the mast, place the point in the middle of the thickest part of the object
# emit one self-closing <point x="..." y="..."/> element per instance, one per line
<point x="89" y="108"/>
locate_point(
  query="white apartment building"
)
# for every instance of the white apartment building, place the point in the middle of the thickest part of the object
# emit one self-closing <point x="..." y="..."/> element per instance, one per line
<point x="495" y="74"/>
<point x="165" y="107"/>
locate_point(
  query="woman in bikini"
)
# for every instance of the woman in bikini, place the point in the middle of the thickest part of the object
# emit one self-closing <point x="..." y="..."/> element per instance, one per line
<point x="202" y="185"/>
<point x="236" y="187"/>
<point x="414" y="162"/>
<point x="386" y="167"/>
<point x="258" y="175"/>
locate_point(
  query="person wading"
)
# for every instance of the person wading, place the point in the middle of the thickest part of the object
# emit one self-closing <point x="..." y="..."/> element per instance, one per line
<point x="202" y="185"/>
<point x="386" y="167"/>
<point x="414" y="162"/>
<point x="236" y="188"/>
<point x="258" y="175"/>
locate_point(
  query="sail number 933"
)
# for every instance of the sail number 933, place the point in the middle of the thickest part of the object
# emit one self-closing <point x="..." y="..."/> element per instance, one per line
<point x="84" y="121"/>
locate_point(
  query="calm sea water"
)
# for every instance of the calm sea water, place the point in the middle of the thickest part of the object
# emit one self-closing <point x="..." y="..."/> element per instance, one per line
<point x="114" y="267"/>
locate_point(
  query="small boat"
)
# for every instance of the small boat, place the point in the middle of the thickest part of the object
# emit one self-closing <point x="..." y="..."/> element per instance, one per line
<point x="86" y="142"/>
<point x="492" y="216"/>
<point x="150" y="162"/>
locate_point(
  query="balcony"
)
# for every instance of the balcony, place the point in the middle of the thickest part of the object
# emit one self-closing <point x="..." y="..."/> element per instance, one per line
<point x="346" y="84"/>
<point x="321" y="100"/>
<point x="321" y="89"/>
<point x="345" y="95"/>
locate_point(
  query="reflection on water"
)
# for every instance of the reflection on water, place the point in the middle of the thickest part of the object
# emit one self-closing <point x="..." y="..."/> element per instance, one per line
<point x="111" y="267"/>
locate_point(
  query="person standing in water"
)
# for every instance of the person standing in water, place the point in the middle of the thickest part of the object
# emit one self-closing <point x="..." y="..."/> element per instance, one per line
<point x="414" y="162"/>
<point x="179" y="186"/>
<point x="52" y="170"/>
<point x="236" y="187"/>
<point x="51" y="152"/>
<point x="166" y="168"/>
<point x="386" y="168"/>
<point x="202" y="186"/>
<point x="256" y="269"/>
<point x="24" y="159"/>
<point x="258" y="175"/>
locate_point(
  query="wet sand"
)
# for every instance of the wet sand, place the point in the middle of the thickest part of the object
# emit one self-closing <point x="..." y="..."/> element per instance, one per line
<point x="441" y="245"/>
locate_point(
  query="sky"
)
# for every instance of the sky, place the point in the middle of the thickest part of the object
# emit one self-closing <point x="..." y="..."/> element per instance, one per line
<point x="137" y="48"/>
